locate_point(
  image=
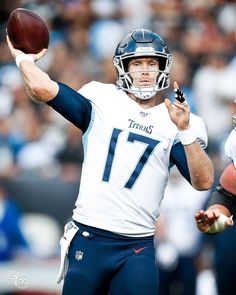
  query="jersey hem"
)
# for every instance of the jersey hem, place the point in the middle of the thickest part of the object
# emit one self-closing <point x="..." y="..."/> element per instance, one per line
<point x="113" y="230"/>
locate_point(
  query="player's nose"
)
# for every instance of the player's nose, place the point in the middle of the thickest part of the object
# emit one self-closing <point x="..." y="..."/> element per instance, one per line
<point x="144" y="69"/>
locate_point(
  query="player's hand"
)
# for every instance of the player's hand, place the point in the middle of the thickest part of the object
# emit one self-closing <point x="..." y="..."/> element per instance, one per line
<point x="15" y="52"/>
<point x="205" y="219"/>
<point x="179" y="112"/>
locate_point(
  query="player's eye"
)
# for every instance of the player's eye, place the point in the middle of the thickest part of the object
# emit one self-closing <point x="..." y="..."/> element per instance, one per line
<point x="136" y="64"/>
<point x="153" y="64"/>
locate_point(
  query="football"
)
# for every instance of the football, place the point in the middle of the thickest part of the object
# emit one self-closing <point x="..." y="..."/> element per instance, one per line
<point x="27" y="31"/>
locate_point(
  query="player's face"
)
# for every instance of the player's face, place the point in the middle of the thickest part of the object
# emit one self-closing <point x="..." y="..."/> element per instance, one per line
<point x="144" y="71"/>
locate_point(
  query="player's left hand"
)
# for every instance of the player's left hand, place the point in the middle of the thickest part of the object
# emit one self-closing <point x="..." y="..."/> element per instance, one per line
<point x="178" y="112"/>
<point x="205" y="219"/>
<point x="15" y="52"/>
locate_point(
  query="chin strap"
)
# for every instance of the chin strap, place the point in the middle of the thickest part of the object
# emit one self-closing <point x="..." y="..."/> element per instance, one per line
<point x="144" y="92"/>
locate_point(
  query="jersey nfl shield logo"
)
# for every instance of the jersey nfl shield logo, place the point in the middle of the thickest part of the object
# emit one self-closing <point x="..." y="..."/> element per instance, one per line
<point x="79" y="255"/>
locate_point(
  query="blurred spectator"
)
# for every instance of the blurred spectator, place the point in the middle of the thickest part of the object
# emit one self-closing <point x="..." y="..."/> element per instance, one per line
<point x="135" y="14"/>
<point x="12" y="239"/>
<point x="180" y="72"/>
<point x="106" y="9"/>
<point x="37" y="155"/>
<point x="210" y="105"/>
<point x="45" y="244"/>
<point x="101" y="31"/>
<point x="71" y="155"/>
<point x="167" y="20"/>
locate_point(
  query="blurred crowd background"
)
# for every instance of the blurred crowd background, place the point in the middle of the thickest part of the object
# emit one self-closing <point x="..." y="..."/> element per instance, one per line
<point x="41" y="154"/>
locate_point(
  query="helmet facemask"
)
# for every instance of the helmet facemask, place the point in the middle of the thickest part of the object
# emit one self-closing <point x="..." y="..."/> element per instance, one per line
<point x="125" y="80"/>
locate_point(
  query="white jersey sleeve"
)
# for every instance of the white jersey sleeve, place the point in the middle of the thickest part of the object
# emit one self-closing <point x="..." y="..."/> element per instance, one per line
<point x="230" y="147"/>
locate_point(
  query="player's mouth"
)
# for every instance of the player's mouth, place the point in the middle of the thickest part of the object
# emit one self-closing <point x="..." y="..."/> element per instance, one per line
<point x="146" y="83"/>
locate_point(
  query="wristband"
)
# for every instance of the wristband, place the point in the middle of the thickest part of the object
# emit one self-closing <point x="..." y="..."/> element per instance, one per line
<point x="218" y="225"/>
<point x="22" y="56"/>
<point x="187" y="136"/>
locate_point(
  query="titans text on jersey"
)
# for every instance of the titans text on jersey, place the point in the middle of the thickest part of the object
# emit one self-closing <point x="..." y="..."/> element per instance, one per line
<point x="135" y="125"/>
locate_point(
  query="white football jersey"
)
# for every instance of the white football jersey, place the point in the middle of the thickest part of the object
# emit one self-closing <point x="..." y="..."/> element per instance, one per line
<point x="230" y="147"/>
<point x="126" y="161"/>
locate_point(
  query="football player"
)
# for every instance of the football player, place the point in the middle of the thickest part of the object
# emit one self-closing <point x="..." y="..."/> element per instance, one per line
<point x="131" y="139"/>
<point x="222" y="203"/>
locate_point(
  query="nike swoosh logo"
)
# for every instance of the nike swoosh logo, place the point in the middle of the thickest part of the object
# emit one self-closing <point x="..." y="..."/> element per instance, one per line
<point x="139" y="250"/>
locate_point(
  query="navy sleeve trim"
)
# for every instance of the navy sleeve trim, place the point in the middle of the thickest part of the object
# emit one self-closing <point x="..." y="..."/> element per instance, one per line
<point x="178" y="158"/>
<point x="72" y="106"/>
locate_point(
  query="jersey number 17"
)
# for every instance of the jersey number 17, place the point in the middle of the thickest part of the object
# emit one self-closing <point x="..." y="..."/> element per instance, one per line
<point x="132" y="137"/>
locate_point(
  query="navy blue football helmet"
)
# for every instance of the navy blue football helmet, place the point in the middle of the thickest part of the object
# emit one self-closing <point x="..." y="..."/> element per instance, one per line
<point x="142" y="43"/>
